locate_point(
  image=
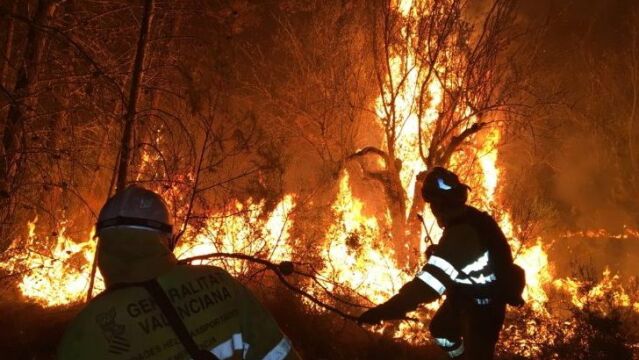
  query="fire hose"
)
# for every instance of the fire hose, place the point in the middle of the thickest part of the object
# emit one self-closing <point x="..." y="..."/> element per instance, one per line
<point x="281" y="270"/>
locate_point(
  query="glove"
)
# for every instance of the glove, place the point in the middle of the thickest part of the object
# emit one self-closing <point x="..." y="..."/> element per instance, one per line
<point x="371" y="316"/>
<point x="430" y="250"/>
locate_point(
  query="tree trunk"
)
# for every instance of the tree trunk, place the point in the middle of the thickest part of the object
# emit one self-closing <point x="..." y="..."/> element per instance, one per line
<point x="21" y="108"/>
<point x="8" y="48"/>
<point x="397" y="206"/>
<point x="57" y="172"/>
<point x="413" y="224"/>
<point x="130" y="115"/>
<point x="153" y="99"/>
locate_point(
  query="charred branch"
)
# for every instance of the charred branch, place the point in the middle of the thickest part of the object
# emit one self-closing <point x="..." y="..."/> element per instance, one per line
<point x="457" y="141"/>
<point x="131" y="110"/>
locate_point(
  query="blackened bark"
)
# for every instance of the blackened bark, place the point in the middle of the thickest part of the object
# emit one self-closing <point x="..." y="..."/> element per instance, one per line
<point x="392" y="184"/>
<point x="131" y="110"/>
<point x="21" y="108"/>
<point x="413" y="224"/>
<point x="8" y="48"/>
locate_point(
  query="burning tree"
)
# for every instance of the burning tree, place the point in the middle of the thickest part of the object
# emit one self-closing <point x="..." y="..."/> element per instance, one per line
<point x="441" y="83"/>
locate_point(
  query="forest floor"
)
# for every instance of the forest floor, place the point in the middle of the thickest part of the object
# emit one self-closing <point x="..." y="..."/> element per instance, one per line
<point x="31" y="332"/>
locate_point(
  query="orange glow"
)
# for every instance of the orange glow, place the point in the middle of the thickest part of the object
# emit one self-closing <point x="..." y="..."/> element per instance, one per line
<point x="356" y="249"/>
<point x="52" y="276"/>
<point x="354" y="254"/>
<point x="247" y="230"/>
<point x="60" y="275"/>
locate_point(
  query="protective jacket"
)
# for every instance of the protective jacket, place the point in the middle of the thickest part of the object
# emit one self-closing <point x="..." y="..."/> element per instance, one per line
<point x="460" y="266"/>
<point x="124" y="322"/>
<point x="463" y="267"/>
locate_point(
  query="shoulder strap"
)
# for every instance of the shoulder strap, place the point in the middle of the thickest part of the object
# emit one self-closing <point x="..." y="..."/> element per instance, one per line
<point x="158" y="294"/>
<point x="176" y="323"/>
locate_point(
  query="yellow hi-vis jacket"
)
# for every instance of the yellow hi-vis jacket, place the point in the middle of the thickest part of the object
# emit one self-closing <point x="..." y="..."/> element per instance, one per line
<point x="222" y="316"/>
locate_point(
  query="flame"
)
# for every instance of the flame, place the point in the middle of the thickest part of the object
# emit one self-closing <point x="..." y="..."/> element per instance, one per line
<point x="530" y="256"/>
<point x="354" y="253"/>
<point x="61" y="275"/>
<point x="606" y="293"/>
<point x="52" y="276"/>
<point x="398" y="106"/>
<point x="488" y="162"/>
<point x="627" y="233"/>
<point x="247" y="229"/>
<point x="355" y="250"/>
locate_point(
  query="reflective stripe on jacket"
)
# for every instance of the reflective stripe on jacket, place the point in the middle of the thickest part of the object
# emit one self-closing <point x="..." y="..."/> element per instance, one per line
<point x="461" y="262"/>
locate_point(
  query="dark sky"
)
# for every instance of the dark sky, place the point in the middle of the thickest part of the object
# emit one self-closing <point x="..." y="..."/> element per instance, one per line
<point x="598" y="24"/>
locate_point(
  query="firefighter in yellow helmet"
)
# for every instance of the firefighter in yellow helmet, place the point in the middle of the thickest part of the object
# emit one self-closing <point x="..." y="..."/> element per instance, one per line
<point x="472" y="265"/>
<point x="155" y="308"/>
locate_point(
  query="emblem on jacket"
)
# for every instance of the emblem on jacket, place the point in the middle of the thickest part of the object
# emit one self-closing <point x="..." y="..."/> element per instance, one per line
<point x="113" y="332"/>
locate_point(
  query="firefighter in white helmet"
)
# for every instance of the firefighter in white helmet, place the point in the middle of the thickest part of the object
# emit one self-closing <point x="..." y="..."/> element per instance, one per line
<point x="471" y="265"/>
<point x="154" y="308"/>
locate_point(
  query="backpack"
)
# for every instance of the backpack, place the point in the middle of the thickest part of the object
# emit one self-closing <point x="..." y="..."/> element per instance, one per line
<point x="511" y="278"/>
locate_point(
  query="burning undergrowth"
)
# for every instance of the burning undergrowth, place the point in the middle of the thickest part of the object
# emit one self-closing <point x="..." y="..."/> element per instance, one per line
<point x="353" y="268"/>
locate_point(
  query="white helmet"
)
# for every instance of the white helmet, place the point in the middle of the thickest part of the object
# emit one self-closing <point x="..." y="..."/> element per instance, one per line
<point x="135" y="207"/>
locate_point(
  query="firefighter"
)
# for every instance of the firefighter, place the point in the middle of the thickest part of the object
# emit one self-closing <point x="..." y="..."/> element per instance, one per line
<point x="472" y="265"/>
<point x="155" y="308"/>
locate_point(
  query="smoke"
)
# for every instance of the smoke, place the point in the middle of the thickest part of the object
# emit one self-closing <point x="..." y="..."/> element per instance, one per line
<point x="308" y="78"/>
<point x="586" y="180"/>
<point x="575" y="161"/>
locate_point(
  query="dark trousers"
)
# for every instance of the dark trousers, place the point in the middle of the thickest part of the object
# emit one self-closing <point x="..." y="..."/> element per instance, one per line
<point x="462" y="327"/>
